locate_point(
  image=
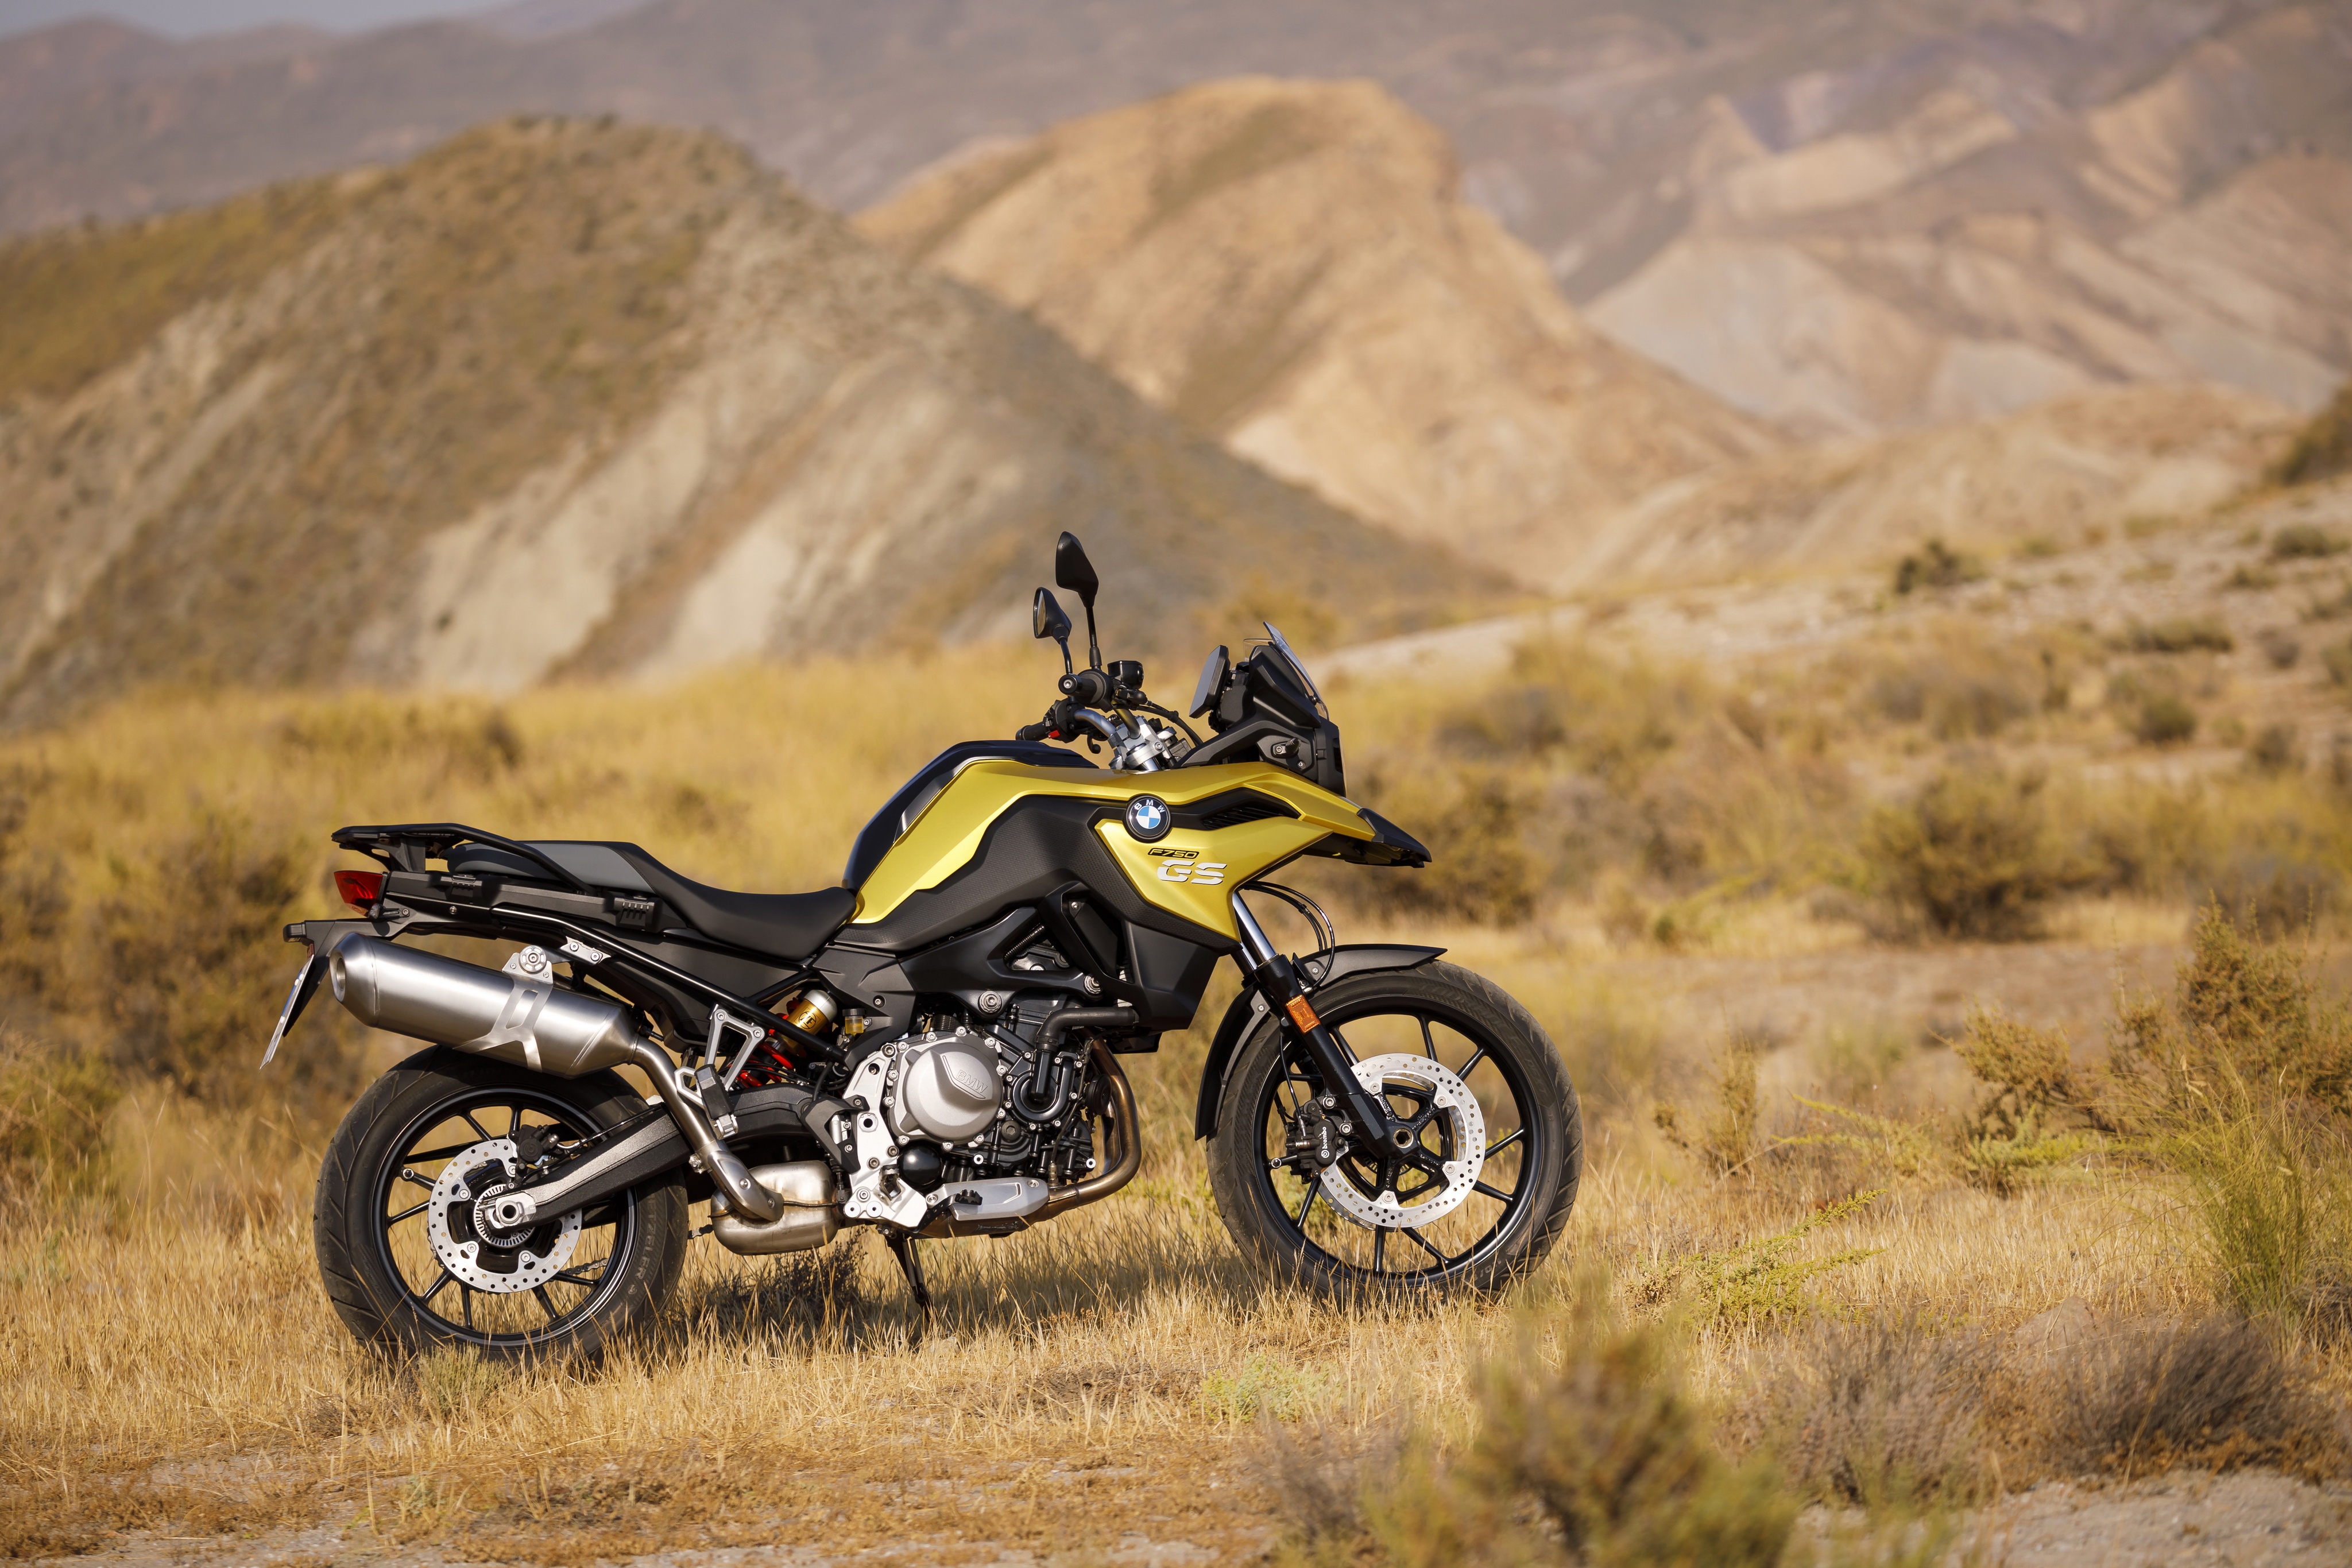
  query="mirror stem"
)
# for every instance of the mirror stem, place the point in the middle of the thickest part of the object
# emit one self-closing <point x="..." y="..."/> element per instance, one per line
<point x="1094" y="648"/>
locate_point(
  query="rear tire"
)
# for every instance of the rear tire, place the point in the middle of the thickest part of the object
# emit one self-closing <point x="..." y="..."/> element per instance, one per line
<point x="1533" y="1138"/>
<point x="372" y="1218"/>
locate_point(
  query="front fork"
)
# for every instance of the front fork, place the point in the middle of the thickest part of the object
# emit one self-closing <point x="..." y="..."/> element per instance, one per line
<point x="1363" y="1116"/>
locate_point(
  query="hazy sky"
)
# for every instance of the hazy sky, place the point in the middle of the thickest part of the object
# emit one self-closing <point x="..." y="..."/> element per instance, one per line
<point x="187" y="17"/>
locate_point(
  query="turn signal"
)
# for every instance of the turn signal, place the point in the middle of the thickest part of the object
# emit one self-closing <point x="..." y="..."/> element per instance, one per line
<point x="360" y="888"/>
<point x="1301" y="1014"/>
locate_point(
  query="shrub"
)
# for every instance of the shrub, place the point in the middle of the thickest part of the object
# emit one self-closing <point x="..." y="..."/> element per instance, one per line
<point x="1937" y="565"/>
<point x="1726" y="1141"/>
<point x="2304" y="541"/>
<point x="2163" y="719"/>
<point x="2322" y="449"/>
<point x="1604" y="1459"/>
<point x="2244" y="1011"/>
<point x="2216" y="1395"/>
<point x="53" y="1109"/>
<point x="1480" y="868"/>
<point x="1618" y="1459"/>
<point x="1974" y="853"/>
<point x="190" y="941"/>
<point x="2338" y="660"/>
<point x="2179" y="634"/>
<point x="2282" y="648"/>
<point x="2250" y="577"/>
<point x="1880" y="1410"/>
<point x="2273" y="750"/>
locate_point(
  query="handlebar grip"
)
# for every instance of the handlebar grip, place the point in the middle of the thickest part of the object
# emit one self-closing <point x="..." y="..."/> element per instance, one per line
<point x="1038" y="731"/>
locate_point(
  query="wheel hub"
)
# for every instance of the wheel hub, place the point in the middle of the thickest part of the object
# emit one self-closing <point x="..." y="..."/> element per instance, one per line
<point x="487" y="1259"/>
<point x="1446" y="1104"/>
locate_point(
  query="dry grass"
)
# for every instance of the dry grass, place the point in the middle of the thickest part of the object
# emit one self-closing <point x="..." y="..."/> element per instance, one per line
<point x="1845" y="1265"/>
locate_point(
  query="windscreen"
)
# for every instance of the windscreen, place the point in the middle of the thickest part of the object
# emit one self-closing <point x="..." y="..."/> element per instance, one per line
<point x="1290" y="657"/>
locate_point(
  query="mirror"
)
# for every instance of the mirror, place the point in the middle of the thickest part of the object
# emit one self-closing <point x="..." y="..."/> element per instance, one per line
<point x="1074" y="571"/>
<point x="1046" y="619"/>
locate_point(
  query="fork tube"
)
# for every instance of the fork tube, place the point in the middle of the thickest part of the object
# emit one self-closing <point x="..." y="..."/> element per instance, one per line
<point x="1277" y="980"/>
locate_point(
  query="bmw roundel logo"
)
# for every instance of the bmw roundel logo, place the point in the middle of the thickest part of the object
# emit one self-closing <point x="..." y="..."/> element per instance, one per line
<point x="1148" y="818"/>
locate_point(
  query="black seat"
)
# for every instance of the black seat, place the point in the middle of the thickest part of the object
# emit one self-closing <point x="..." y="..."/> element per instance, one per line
<point x="789" y="926"/>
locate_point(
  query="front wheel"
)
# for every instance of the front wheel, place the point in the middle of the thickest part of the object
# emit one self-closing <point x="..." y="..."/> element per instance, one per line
<point x="1478" y="1196"/>
<point x="400" y="1250"/>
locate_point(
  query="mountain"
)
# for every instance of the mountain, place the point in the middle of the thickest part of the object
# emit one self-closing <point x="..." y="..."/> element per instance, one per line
<point x="2072" y="472"/>
<point x="578" y="397"/>
<point x="1847" y="216"/>
<point x="1289" y="266"/>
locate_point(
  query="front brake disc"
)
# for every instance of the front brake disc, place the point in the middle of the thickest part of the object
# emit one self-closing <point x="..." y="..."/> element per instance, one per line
<point x="526" y="1261"/>
<point x="1452" y="1101"/>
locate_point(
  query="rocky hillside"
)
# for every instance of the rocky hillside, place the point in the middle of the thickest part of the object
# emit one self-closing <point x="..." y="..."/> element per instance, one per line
<point x="1846" y="216"/>
<point x="566" y="397"/>
<point x="2065" y="475"/>
<point x="1290" y="267"/>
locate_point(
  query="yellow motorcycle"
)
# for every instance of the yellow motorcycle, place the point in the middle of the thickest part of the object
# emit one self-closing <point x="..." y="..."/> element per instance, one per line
<point x="931" y="1048"/>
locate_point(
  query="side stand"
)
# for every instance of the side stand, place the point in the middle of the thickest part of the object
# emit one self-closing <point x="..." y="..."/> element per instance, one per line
<point x="910" y="1263"/>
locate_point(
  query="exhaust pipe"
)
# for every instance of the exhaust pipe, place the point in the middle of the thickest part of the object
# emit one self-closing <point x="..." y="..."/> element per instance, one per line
<point x="528" y="1020"/>
<point x="524" y="1018"/>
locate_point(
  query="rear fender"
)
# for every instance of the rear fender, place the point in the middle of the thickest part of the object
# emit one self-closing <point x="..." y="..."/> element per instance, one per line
<point x="1248" y="1007"/>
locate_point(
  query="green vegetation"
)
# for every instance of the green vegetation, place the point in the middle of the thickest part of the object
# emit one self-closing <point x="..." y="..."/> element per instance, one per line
<point x="2304" y="541"/>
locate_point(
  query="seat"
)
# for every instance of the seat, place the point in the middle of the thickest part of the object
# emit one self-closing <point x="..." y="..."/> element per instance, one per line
<point x="788" y="926"/>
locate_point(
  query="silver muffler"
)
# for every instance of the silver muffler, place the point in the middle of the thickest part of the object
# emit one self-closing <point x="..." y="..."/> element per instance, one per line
<point x="812" y="1211"/>
<point x="520" y="1015"/>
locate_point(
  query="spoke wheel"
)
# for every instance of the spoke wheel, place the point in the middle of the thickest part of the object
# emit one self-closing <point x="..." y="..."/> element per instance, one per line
<point x="394" y="1219"/>
<point x="1436" y="1212"/>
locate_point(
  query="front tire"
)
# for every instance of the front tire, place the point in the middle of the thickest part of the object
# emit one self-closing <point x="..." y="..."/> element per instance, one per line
<point x="398" y="1253"/>
<point x="1327" y="1232"/>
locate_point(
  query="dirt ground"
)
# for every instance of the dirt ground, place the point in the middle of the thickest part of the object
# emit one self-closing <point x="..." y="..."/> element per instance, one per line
<point x="2243" y="1520"/>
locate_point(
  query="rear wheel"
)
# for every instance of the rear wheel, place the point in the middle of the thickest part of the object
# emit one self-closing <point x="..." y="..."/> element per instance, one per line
<point x="1487" y="1175"/>
<point x="394" y="1216"/>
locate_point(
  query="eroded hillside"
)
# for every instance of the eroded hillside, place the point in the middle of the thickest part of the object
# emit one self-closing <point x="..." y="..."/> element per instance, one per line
<point x="1290" y="265"/>
<point x="567" y="397"/>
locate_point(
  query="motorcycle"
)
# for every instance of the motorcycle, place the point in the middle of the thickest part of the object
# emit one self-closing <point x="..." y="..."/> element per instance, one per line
<point x="931" y="1048"/>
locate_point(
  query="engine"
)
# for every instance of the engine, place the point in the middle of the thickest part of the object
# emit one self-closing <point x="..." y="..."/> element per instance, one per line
<point x="968" y="1104"/>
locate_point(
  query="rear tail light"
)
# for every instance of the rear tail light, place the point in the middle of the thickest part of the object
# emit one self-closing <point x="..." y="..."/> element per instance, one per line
<point x="360" y="888"/>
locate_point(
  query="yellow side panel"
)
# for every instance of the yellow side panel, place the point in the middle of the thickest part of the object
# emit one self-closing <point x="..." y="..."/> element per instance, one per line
<point x="949" y="831"/>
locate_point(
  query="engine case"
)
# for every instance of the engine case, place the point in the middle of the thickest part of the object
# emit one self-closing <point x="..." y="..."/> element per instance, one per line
<point x="949" y="1087"/>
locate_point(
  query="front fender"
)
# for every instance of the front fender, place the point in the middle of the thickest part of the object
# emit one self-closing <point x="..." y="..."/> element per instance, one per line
<point x="1316" y="971"/>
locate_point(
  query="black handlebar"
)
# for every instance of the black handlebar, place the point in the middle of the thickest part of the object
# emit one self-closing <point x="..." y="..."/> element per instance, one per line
<point x="1091" y="688"/>
<point x="1034" y="732"/>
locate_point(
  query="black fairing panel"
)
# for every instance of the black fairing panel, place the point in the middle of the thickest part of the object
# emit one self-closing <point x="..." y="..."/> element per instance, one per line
<point x="1043" y="854"/>
<point x="889" y="824"/>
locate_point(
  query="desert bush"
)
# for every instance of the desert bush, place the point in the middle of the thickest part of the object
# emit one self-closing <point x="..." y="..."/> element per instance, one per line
<point x="1974" y="853"/>
<point x="1480" y="867"/>
<point x="1601" y="1459"/>
<point x="1725" y="1139"/>
<point x="2304" y="541"/>
<point x="2250" y="577"/>
<point x="1936" y="565"/>
<point x="1759" y="1279"/>
<point x="2179" y="634"/>
<point x="2282" y="648"/>
<point x="54" y="1104"/>
<point x="2322" y="449"/>
<point x="2244" y="1011"/>
<point x="1878" y="1410"/>
<point x="2273" y="749"/>
<point x="2143" y="1398"/>
<point x="2028" y="1118"/>
<point x="2163" y="719"/>
<point x="190" y="941"/>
